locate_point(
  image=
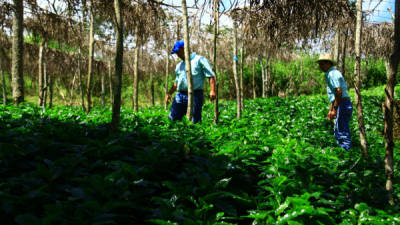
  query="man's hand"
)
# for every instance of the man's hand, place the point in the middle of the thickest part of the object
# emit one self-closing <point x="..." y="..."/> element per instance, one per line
<point x="168" y="98"/>
<point x="332" y="114"/>
<point x="212" y="95"/>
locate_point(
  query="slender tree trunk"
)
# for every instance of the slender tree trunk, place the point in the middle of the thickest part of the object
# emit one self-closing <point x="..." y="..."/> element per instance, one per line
<point x="45" y="80"/>
<point x="357" y="88"/>
<point x="17" y="69"/>
<point x="3" y="82"/>
<point x="336" y="52"/>
<point x="50" y="80"/>
<point x="91" y="59"/>
<point x="188" y="66"/>
<point x="110" y="81"/>
<point x="151" y="88"/>
<point x="216" y="21"/>
<point x="166" y="70"/>
<point x="117" y="79"/>
<point x="4" y="88"/>
<point x="81" y="88"/>
<point x="103" y="89"/>
<point x="263" y="78"/>
<point x="40" y="74"/>
<point x="235" y="72"/>
<point x="71" y="102"/>
<point x="344" y="50"/>
<point x="267" y="77"/>
<point x="254" y="80"/>
<point x="178" y="29"/>
<point x="135" y="94"/>
<point x="57" y="81"/>
<point x="241" y="77"/>
<point x="391" y="68"/>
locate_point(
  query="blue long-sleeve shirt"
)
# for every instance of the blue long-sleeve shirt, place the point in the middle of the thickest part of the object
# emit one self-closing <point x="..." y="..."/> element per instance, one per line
<point x="201" y="69"/>
<point x="334" y="79"/>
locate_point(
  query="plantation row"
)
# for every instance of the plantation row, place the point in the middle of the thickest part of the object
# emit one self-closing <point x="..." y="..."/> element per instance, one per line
<point x="279" y="164"/>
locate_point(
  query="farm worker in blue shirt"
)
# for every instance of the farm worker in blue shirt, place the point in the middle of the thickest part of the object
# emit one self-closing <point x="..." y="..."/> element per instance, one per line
<point x="201" y="69"/>
<point x="341" y="106"/>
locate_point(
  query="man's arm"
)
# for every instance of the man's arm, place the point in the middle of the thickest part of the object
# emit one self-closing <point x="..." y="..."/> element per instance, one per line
<point x="170" y="92"/>
<point x="338" y="98"/>
<point x="335" y="104"/>
<point x="212" y="87"/>
<point x="208" y="72"/>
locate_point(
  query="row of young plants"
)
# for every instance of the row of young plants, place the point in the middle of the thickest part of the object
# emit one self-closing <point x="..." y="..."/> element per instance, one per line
<point x="279" y="164"/>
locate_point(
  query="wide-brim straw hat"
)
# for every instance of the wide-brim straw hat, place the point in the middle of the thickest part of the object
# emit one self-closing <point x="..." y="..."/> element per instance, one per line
<point x="326" y="57"/>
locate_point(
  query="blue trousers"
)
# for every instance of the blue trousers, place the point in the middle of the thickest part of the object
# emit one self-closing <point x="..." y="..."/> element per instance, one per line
<point x="342" y="129"/>
<point x="179" y="106"/>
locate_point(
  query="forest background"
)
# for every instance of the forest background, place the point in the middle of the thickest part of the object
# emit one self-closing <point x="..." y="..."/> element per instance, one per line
<point x="291" y="70"/>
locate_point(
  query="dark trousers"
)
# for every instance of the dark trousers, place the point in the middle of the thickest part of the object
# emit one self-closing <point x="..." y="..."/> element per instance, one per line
<point x="179" y="106"/>
<point x="342" y="129"/>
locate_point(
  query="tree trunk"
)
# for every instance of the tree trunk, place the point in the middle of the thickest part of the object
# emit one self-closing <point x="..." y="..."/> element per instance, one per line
<point x="40" y="74"/>
<point x="17" y="69"/>
<point x="60" y="91"/>
<point x="135" y="94"/>
<point x="357" y="86"/>
<point x="3" y="81"/>
<point x="151" y="88"/>
<point x="336" y="52"/>
<point x="254" y="80"/>
<point x="45" y="80"/>
<point x="216" y="21"/>
<point x="81" y="88"/>
<point x="391" y="68"/>
<point x="50" y="80"/>
<point x="91" y="59"/>
<point x="103" y="89"/>
<point x="263" y="78"/>
<point x="166" y="71"/>
<point x="267" y="77"/>
<point x="117" y="81"/>
<point x="344" y="50"/>
<point x="71" y="102"/>
<point x="235" y="72"/>
<point x="110" y="81"/>
<point x="241" y="76"/>
<point x="188" y="66"/>
<point x="178" y="29"/>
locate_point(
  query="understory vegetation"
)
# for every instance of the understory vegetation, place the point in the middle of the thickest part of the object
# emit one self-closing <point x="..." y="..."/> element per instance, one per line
<point x="299" y="76"/>
<point x="279" y="164"/>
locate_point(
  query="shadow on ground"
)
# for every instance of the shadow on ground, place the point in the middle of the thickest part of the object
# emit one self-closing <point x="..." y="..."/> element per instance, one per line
<point x="53" y="172"/>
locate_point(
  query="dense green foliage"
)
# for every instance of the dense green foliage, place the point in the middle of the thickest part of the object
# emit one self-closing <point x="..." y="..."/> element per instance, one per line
<point x="278" y="165"/>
